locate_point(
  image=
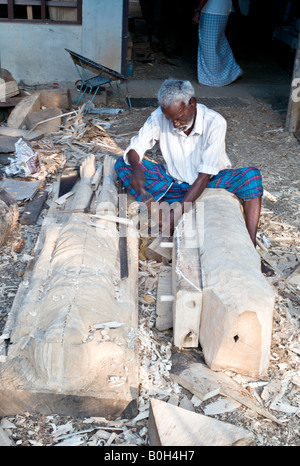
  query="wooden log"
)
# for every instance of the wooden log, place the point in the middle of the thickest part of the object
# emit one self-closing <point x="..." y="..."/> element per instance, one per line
<point x="60" y="97"/>
<point x="186" y="284"/>
<point x="292" y="123"/>
<point x="35" y="119"/>
<point x="60" y="359"/>
<point x="29" y="104"/>
<point x="238" y="302"/>
<point x="171" y="425"/>
<point x="9" y="213"/>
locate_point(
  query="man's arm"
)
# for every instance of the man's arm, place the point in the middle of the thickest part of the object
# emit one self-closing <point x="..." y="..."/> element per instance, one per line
<point x="193" y="193"/>
<point x="197" y="188"/>
<point x="201" y="4"/>
<point x="137" y="179"/>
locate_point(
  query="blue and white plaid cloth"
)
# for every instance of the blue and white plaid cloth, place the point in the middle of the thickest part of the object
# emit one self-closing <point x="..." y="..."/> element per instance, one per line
<point x="216" y="64"/>
<point x="245" y="183"/>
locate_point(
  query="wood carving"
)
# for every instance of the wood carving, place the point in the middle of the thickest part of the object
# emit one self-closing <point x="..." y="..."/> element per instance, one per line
<point x="72" y="332"/>
<point x="237" y="301"/>
<point x="187" y="284"/>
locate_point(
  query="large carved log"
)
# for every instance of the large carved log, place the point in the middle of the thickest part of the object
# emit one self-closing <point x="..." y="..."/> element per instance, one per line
<point x="237" y="301"/>
<point x="72" y="332"/>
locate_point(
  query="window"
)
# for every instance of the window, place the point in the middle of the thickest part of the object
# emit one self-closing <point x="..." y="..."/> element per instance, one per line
<point x="45" y="11"/>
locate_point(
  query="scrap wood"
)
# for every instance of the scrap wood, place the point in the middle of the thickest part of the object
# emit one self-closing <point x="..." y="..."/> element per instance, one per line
<point x="195" y="376"/>
<point x="171" y="425"/>
<point x="5" y="440"/>
<point x="61" y="115"/>
<point x="34" y="208"/>
<point x="27" y="105"/>
<point x="19" y="133"/>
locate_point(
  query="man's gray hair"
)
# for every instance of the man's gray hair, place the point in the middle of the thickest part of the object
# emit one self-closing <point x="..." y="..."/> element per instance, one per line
<point x="173" y="91"/>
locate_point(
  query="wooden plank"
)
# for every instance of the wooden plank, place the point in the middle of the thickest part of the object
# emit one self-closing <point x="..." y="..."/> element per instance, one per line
<point x="20" y="133"/>
<point x="164" y="314"/>
<point x="29" y="12"/>
<point x="171" y="425"/>
<point x="33" y="208"/>
<point x="292" y="123"/>
<point x="160" y="254"/>
<point x="187" y="284"/>
<point x="27" y="105"/>
<point x="10" y="102"/>
<point x="8" y="89"/>
<point x="7" y="144"/>
<point x="122" y="203"/>
<point x="38" y="120"/>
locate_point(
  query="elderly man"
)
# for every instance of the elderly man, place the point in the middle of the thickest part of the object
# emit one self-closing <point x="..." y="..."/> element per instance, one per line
<point x="192" y="143"/>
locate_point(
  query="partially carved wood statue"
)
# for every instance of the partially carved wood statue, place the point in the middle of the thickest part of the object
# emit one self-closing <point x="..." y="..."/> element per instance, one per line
<point x="72" y="332"/>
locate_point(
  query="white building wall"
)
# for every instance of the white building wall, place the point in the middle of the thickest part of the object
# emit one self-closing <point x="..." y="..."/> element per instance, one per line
<point x="35" y="53"/>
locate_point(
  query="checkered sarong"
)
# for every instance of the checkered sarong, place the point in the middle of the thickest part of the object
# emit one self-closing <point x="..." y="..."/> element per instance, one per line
<point x="216" y="64"/>
<point x="246" y="183"/>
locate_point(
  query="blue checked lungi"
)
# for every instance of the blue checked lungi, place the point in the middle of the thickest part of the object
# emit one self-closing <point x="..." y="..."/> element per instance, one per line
<point x="216" y="65"/>
<point x="245" y="183"/>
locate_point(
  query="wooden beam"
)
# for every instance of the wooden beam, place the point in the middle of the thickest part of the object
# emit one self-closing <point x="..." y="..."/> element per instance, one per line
<point x="186" y="284"/>
<point x="238" y="302"/>
<point x="293" y="113"/>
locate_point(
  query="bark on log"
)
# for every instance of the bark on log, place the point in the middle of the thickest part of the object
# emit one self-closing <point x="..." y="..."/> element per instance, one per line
<point x="64" y="355"/>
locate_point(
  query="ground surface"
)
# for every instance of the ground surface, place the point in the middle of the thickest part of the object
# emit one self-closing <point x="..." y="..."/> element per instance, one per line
<point x="255" y="136"/>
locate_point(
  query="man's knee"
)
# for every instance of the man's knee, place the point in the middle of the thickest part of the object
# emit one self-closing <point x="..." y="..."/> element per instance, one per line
<point x="254" y="173"/>
<point x="253" y="183"/>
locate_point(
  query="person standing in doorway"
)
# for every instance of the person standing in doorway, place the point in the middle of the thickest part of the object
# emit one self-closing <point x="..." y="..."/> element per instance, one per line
<point x="216" y="65"/>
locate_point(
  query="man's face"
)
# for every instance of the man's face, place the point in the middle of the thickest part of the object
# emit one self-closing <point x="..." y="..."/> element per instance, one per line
<point x="181" y="115"/>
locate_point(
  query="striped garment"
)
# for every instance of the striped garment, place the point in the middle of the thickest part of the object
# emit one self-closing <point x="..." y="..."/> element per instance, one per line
<point x="245" y="183"/>
<point x="216" y="64"/>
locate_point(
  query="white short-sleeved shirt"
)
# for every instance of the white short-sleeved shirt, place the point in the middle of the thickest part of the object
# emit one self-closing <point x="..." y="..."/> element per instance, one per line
<point x="202" y="151"/>
<point x="218" y="7"/>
